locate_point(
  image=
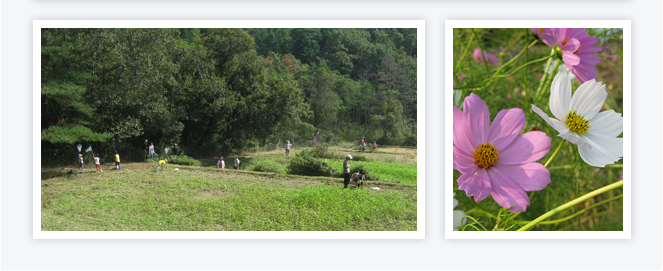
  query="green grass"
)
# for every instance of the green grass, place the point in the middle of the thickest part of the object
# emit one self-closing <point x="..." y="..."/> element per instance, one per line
<point x="137" y="198"/>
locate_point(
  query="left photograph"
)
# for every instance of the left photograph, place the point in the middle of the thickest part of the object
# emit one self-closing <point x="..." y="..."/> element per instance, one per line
<point x="216" y="129"/>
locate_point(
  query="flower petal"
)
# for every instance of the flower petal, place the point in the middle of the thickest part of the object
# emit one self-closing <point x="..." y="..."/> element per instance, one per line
<point x="528" y="147"/>
<point x="570" y="59"/>
<point x="599" y="155"/>
<point x="462" y="136"/>
<point x="463" y="162"/>
<point x="476" y="184"/>
<point x="506" y="192"/>
<point x="478" y="118"/>
<point x="560" y="95"/>
<point x="556" y="124"/>
<point x="574" y="138"/>
<point x="608" y="123"/>
<point x="529" y="176"/>
<point x="505" y="127"/>
<point x="589" y="98"/>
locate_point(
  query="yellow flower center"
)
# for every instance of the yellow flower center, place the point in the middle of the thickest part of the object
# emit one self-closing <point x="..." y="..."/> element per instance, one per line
<point x="577" y="122"/>
<point x="541" y="30"/>
<point x="485" y="155"/>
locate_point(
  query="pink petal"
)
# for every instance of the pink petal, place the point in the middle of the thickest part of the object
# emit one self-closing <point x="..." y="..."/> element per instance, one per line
<point x="476" y="184"/>
<point x="529" y="176"/>
<point x="463" y="162"/>
<point x="505" y="127"/>
<point x="571" y="46"/>
<point x="478" y="118"/>
<point x="507" y="192"/>
<point x="570" y="59"/>
<point x="462" y="136"/>
<point x="528" y="147"/>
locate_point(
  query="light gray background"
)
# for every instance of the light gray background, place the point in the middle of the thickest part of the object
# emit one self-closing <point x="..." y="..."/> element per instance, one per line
<point x="643" y="251"/>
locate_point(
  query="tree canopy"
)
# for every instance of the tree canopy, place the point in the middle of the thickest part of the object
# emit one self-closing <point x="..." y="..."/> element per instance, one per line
<point x="216" y="91"/>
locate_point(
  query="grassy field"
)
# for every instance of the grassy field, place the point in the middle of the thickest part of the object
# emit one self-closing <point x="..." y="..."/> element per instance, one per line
<point x="197" y="198"/>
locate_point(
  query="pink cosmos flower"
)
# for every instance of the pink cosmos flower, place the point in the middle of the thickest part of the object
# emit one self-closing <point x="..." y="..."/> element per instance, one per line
<point x="545" y="34"/>
<point x="489" y="57"/>
<point x="578" y="52"/>
<point x="496" y="159"/>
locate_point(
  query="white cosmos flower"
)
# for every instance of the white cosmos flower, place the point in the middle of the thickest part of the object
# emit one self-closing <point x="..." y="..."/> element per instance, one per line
<point x="580" y="122"/>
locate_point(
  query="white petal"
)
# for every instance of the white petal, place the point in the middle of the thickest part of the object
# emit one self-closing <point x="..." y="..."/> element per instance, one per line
<point x="612" y="144"/>
<point x="556" y="124"/>
<point x="607" y="123"/>
<point x="599" y="156"/>
<point x="574" y="138"/>
<point x="560" y="95"/>
<point x="455" y="201"/>
<point x="589" y="98"/>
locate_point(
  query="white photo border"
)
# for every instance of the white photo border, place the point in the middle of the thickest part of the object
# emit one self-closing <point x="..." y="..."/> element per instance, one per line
<point x="36" y="129"/>
<point x="449" y="233"/>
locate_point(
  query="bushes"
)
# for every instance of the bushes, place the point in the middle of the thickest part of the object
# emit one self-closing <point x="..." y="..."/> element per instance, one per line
<point x="176" y="159"/>
<point x="303" y="164"/>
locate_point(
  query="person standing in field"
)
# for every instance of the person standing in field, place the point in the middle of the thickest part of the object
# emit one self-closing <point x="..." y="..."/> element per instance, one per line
<point x="162" y="164"/>
<point x="237" y="163"/>
<point x="152" y="150"/>
<point x="96" y="163"/>
<point x="221" y="164"/>
<point x="145" y="148"/>
<point x="287" y="148"/>
<point x="346" y="171"/>
<point x="362" y="143"/>
<point x="375" y="145"/>
<point x="175" y="149"/>
<point x="80" y="163"/>
<point x="117" y="161"/>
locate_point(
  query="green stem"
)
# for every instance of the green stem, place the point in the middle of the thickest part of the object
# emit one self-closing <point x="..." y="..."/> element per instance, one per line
<point x="578" y="213"/>
<point x="545" y="73"/>
<point x="483" y="53"/>
<point x="554" y="153"/>
<point x="571" y="203"/>
<point x="522" y="67"/>
<point x="467" y="49"/>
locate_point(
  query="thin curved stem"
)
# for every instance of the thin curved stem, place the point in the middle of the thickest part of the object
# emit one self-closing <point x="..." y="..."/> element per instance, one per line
<point x="554" y="153"/>
<point x="570" y="204"/>
<point x="576" y="214"/>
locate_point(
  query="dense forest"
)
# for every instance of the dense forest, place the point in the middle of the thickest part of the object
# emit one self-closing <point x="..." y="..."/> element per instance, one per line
<point x="220" y="91"/>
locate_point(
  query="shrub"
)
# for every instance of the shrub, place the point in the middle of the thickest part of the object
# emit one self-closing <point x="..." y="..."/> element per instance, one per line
<point x="310" y="166"/>
<point x="175" y="159"/>
<point x="321" y="151"/>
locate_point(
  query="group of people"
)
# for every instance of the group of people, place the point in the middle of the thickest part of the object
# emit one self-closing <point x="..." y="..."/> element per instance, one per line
<point x="358" y="178"/>
<point x="222" y="164"/>
<point x="81" y="165"/>
<point x="362" y="144"/>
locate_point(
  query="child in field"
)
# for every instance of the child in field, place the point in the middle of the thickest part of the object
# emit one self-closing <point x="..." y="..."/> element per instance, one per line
<point x="96" y="163"/>
<point x="359" y="178"/>
<point x="117" y="161"/>
<point x="221" y="163"/>
<point x="162" y="164"/>
<point x="237" y="163"/>
<point x="80" y="162"/>
<point x="375" y="144"/>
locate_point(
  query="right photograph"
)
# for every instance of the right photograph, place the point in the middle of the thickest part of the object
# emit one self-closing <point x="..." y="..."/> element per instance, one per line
<point x="540" y="118"/>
